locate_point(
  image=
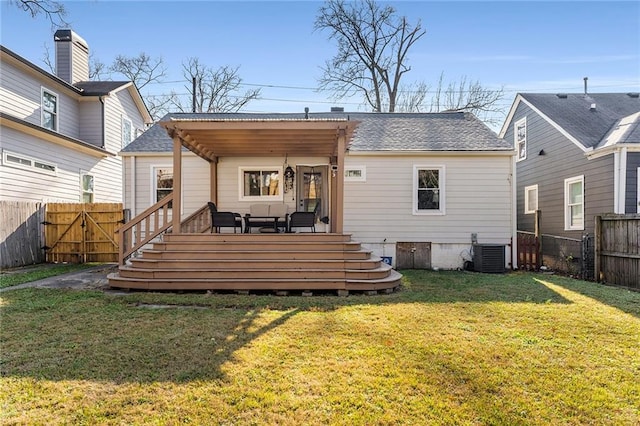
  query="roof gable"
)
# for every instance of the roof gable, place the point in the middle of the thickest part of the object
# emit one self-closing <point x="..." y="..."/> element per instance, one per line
<point x="584" y="119"/>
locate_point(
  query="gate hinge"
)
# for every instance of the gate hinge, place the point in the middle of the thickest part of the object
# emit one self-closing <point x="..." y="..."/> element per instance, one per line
<point x="45" y="248"/>
<point x="44" y="222"/>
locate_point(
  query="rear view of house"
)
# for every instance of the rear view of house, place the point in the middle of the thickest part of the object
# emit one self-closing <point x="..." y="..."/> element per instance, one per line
<point x="418" y="190"/>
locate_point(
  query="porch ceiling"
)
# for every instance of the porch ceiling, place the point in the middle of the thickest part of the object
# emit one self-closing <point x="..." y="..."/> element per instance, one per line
<point x="232" y="138"/>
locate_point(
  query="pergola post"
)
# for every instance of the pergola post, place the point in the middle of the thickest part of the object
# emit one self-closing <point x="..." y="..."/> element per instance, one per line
<point x="177" y="183"/>
<point x="213" y="180"/>
<point x="338" y="220"/>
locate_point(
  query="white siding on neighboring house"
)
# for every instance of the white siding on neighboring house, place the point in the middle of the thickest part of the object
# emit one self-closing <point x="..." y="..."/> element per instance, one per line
<point x="477" y="201"/>
<point x="119" y="105"/>
<point x="21" y="95"/>
<point x="64" y="186"/>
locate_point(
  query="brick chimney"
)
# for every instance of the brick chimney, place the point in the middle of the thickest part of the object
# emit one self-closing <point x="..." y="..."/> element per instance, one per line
<point x="72" y="56"/>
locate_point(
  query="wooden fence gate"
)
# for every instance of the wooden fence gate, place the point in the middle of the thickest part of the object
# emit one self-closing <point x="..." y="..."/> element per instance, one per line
<point x="617" y="250"/>
<point x="79" y="233"/>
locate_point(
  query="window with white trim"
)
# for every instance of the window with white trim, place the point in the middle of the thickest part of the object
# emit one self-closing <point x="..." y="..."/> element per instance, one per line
<point x="530" y="199"/>
<point x="49" y="110"/>
<point x="260" y="183"/>
<point x="428" y="190"/>
<point x="162" y="182"/>
<point x="355" y="174"/>
<point x="520" y="138"/>
<point x="26" y="162"/>
<point x="127" y="131"/>
<point x="574" y="203"/>
<point x="86" y="187"/>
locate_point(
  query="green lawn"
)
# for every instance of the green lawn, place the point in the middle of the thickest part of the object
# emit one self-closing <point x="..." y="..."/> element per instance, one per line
<point x="450" y="348"/>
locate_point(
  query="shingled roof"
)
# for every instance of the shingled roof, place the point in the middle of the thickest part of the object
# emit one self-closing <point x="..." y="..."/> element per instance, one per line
<point x="386" y="132"/>
<point x="588" y="118"/>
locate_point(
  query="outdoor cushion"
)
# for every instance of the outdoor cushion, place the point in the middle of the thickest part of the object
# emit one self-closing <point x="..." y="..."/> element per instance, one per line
<point x="259" y="209"/>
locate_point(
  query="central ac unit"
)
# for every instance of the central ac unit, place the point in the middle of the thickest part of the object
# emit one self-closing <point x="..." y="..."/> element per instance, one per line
<point x="488" y="258"/>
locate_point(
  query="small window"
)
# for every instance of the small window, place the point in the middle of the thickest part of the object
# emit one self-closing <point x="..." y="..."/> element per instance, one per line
<point x="574" y="203"/>
<point x="355" y="174"/>
<point x="49" y="110"/>
<point x="86" y="187"/>
<point x="127" y="131"/>
<point x="520" y="136"/>
<point x="530" y="199"/>
<point x="21" y="161"/>
<point x="260" y="183"/>
<point x="163" y="183"/>
<point x="428" y="190"/>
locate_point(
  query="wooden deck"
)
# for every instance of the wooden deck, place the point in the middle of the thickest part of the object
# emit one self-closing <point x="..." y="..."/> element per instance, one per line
<point x="305" y="262"/>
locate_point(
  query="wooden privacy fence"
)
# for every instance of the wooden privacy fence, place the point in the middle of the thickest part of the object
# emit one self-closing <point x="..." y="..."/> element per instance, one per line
<point x="529" y="254"/>
<point x="21" y="237"/>
<point x="79" y="233"/>
<point x="617" y="250"/>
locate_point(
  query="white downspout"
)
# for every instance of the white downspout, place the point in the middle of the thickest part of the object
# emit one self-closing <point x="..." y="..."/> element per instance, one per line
<point x="622" y="197"/>
<point x="619" y="180"/>
<point x="514" y="215"/>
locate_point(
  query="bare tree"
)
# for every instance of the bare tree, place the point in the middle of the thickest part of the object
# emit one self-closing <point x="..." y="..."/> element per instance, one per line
<point x="373" y="44"/>
<point x="463" y="95"/>
<point x="141" y="69"/>
<point x="469" y="96"/>
<point x="52" y="10"/>
<point x="216" y="90"/>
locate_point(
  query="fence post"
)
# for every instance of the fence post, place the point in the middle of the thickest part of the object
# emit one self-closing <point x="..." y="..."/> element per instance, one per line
<point x="597" y="241"/>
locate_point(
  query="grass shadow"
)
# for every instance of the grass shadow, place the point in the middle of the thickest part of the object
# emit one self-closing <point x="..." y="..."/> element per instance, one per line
<point x="617" y="297"/>
<point x="91" y="335"/>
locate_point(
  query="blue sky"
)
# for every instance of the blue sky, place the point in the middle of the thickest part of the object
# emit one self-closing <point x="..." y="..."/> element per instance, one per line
<point x="542" y="46"/>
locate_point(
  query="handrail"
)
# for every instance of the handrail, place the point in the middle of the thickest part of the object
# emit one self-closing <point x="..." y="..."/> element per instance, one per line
<point x="130" y="234"/>
<point x="198" y="222"/>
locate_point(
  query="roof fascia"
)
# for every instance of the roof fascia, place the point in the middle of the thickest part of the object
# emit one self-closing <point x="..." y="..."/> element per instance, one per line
<point x="155" y="154"/>
<point x="499" y="153"/>
<point x="601" y="152"/>
<point x="51" y="136"/>
<point x="512" y="111"/>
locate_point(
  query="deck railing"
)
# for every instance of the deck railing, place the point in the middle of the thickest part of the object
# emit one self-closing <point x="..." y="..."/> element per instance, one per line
<point x="143" y="228"/>
<point x="198" y="222"/>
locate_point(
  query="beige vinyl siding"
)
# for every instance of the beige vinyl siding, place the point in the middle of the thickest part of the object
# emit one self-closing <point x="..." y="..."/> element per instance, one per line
<point x="31" y="185"/>
<point x="379" y="212"/>
<point x="195" y="176"/>
<point x="228" y="184"/>
<point x="21" y="95"/>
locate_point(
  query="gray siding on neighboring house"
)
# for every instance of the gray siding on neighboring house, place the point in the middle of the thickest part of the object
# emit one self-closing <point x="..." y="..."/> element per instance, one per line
<point x="632" y="202"/>
<point x="562" y="159"/>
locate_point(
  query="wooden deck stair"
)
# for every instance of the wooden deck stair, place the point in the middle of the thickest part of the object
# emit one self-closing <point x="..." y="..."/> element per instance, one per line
<point x="243" y="262"/>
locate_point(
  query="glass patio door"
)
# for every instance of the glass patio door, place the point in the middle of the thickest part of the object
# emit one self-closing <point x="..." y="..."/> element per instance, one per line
<point x="312" y="193"/>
